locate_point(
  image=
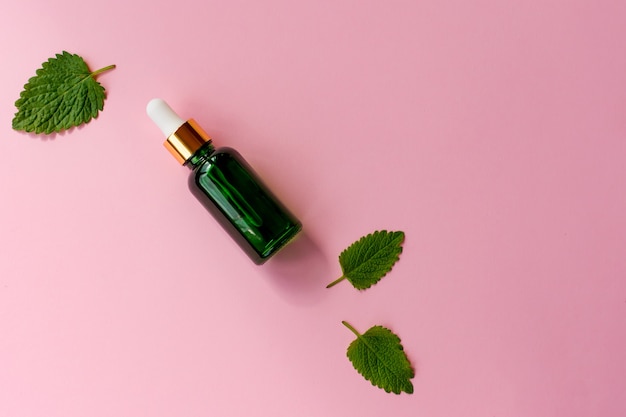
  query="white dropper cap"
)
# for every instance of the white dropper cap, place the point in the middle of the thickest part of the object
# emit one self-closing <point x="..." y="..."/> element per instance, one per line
<point x="165" y="118"/>
<point x="183" y="138"/>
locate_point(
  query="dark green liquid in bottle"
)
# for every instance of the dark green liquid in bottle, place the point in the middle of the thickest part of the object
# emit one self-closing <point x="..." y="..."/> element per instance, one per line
<point x="230" y="189"/>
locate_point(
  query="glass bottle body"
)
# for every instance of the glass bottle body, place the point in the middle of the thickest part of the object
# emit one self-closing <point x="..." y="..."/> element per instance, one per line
<point x="229" y="188"/>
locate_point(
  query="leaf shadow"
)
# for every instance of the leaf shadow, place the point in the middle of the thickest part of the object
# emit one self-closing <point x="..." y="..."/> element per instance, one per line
<point x="299" y="271"/>
<point x="46" y="137"/>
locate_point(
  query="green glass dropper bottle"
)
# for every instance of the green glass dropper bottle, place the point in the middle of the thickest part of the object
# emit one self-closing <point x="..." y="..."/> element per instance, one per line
<point x="227" y="187"/>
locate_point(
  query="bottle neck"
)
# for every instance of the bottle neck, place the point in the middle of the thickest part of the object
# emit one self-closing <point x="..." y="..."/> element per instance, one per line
<point x="200" y="155"/>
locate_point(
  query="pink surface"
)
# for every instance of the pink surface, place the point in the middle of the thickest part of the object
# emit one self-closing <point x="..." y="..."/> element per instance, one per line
<point x="492" y="132"/>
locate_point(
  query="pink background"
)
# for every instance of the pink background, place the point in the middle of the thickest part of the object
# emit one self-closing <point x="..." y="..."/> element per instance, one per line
<point x="492" y="132"/>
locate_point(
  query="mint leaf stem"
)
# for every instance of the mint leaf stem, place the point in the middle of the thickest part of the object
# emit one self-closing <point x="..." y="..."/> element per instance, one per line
<point x="352" y="329"/>
<point x="101" y="70"/>
<point x="337" y="281"/>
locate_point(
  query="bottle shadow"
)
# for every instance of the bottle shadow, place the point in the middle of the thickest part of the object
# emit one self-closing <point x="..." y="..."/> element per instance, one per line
<point x="299" y="271"/>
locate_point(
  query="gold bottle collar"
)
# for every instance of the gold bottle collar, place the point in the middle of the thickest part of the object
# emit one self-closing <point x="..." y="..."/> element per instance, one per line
<point x="187" y="139"/>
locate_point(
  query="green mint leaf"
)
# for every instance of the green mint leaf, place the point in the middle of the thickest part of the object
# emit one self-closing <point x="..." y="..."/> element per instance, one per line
<point x="369" y="259"/>
<point x="62" y="94"/>
<point x="379" y="357"/>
